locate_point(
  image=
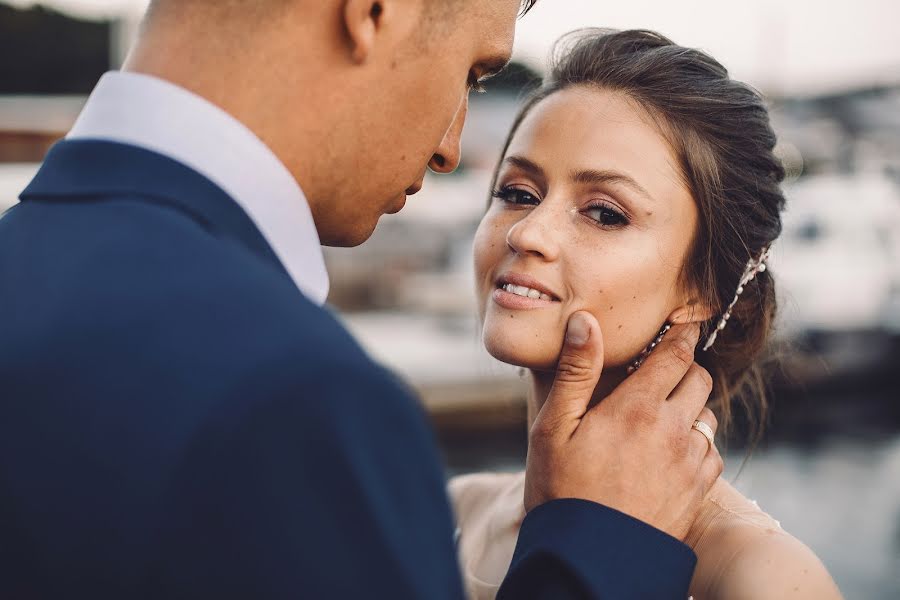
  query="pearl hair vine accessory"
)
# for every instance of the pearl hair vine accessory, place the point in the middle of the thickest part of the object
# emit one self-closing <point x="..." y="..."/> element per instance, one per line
<point x="754" y="266"/>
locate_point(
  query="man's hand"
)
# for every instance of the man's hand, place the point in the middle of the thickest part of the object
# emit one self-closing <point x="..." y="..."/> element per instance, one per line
<point x="635" y="451"/>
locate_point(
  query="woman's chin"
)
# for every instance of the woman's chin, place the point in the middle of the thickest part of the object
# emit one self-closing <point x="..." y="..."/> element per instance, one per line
<point x="539" y="351"/>
<point x="540" y="356"/>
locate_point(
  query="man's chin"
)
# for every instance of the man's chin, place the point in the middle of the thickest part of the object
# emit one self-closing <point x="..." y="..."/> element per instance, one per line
<point x="349" y="238"/>
<point x="361" y="231"/>
<point x="397" y="205"/>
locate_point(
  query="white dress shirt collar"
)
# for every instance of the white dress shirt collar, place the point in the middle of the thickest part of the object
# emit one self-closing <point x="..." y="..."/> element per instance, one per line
<point x="151" y="113"/>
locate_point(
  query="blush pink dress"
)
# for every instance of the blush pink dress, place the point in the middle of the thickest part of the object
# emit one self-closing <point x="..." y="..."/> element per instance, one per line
<point x="742" y="552"/>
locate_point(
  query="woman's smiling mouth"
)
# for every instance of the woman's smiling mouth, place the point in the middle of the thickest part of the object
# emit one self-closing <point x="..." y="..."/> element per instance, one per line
<point x="518" y="292"/>
<point x="521" y="290"/>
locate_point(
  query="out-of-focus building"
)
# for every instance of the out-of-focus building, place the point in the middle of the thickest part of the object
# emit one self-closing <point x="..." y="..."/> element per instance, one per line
<point x="29" y="125"/>
<point x="51" y="61"/>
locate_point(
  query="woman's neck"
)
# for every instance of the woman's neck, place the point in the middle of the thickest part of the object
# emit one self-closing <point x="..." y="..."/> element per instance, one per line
<point x="542" y="382"/>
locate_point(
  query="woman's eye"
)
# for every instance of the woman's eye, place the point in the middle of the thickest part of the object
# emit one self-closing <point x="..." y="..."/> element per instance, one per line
<point x="607" y="216"/>
<point x="516" y="196"/>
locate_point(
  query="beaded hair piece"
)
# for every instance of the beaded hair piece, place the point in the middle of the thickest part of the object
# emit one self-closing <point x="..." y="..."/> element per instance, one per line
<point x="754" y="267"/>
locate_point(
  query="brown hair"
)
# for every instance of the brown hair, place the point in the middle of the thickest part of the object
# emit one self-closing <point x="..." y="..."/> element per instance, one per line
<point x="526" y="6"/>
<point x="720" y="132"/>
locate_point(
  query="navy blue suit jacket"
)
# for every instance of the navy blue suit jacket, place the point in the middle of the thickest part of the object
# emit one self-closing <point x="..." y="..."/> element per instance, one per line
<point x="178" y="421"/>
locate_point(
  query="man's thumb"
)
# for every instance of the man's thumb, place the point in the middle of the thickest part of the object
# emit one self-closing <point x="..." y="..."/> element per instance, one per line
<point x="578" y="370"/>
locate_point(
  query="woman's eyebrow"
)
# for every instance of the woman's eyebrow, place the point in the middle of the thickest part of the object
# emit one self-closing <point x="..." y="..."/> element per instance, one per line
<point x="526" y="165"/>
<point x="582" y="176"/>
<point x="591" y="176"/>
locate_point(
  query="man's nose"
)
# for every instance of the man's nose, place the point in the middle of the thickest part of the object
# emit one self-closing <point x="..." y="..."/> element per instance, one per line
<point x="446" y="158"/>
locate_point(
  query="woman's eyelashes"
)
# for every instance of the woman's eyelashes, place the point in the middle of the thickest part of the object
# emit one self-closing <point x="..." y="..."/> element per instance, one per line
<point x="603" y="213"/>
<point x="517" y="196"/>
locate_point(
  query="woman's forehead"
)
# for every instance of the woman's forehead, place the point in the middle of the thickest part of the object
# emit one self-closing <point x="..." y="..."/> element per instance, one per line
<point x="580" y="129"/>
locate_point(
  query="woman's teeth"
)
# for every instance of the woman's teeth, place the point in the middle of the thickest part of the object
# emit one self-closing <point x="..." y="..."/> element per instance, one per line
<point x="520" y="290"/>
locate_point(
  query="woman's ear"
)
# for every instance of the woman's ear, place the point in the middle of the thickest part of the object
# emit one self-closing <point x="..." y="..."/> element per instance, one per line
<point x="362" y="20"/>
<point x="692" y="312"/>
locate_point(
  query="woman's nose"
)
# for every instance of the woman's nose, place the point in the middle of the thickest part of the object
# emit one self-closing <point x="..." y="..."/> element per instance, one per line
<point x="532" y="235"/>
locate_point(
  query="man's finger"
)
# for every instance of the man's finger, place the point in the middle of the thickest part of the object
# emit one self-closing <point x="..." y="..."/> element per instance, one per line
<point x="711" y="468"/>
<point x="577" y="372"/>
<point x="692" y="392"/>
<point x="665" y="367"/>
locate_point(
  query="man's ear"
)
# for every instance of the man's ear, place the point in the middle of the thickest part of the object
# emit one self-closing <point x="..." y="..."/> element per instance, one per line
<point x="362" y="19"/>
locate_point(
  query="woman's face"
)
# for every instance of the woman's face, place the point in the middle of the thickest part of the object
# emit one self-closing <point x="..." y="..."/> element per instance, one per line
<point x="589" y="213"/>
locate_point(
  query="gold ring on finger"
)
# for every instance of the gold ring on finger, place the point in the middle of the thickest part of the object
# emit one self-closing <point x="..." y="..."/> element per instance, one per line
<point x="706" y="430"/>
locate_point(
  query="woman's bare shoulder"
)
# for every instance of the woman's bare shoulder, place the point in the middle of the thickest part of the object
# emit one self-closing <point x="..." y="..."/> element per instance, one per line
<point x="774" y="564"/>
<point x="744" y="554"/>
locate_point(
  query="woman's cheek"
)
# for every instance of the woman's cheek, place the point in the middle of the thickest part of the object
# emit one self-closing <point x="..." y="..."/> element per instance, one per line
<point x="489" y="246"/>
<point x="616" y="340"/>
<point x="628" y="325"/>
<point x="609" y="299"/>
<point x="487" y="250"/>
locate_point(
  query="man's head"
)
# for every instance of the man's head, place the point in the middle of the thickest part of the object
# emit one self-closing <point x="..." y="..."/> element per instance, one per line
<point x="356" y="97"/>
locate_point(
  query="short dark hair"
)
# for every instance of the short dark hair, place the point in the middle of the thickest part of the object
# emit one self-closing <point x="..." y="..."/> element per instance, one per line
<point x="526" y="6"/>
<point x="720" y="131"/>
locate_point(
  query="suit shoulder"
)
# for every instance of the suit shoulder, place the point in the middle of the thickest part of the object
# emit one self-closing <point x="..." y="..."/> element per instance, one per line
<point x="133" y="280"/>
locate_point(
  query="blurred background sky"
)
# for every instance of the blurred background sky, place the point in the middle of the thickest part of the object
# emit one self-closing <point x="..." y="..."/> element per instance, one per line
<point x="800" y="46"/>
<point x="829" y="466"/>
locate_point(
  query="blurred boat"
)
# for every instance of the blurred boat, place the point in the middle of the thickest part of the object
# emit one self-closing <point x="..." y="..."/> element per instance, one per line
<point x="838" y="259"/>
<point x="838" y="270"/>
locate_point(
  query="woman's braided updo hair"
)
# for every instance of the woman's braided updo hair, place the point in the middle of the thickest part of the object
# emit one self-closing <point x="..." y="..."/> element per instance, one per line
<point x="720" y="133"/>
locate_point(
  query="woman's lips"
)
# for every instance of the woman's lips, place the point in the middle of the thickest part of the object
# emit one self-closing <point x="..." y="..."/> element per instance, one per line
<point x="516" y="291"/>
<point x="516" y="302"/>
<point x="524" y="281"/>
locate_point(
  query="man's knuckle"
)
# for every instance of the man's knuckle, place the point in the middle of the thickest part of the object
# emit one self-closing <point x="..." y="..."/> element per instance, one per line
<point x="543" y="430"/>
<point x="682" y="352"/>
<point x="709" y="417"/>
<point x="720" y="462"/>
<point x="705" y="377"/>
<point x="574" y="368"/>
